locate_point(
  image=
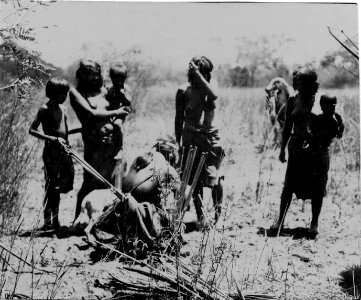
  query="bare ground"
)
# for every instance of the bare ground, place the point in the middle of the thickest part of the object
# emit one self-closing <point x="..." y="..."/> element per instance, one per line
<point x="283" y="266"/>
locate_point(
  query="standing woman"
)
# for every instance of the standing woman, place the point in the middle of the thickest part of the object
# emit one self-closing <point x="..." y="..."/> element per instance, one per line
<point x="297" y="135"/>
<point x="90" y="105"/>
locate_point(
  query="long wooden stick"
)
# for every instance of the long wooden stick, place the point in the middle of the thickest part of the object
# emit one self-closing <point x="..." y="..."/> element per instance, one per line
<point x="351" y="41"/>
<point x="342" y="44"/>
<point x="94" y="172"/>
<point x="24" y="261"/>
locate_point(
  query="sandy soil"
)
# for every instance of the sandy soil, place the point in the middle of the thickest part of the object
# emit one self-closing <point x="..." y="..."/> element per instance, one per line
<point x="283" y="266"/>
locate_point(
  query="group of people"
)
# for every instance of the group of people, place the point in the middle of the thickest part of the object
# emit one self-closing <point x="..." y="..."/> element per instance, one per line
<point x="308" y="137"/>
<point x="102" y="112"/>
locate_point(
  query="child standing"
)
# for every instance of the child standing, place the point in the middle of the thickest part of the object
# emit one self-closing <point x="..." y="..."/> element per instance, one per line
<point x="59" y="168"/>
<point x="118" y="96"/>
<point x="325" y="127"/>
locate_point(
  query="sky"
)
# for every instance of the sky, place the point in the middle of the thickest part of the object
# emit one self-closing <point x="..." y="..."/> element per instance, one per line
<point x="172" y="33"/>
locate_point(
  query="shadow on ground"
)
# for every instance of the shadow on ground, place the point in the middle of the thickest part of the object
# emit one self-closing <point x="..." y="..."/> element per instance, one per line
<point x="296" y="233"/>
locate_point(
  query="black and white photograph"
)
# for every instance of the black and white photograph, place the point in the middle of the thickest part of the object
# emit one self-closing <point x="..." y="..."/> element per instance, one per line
<point x="179" y="150"/>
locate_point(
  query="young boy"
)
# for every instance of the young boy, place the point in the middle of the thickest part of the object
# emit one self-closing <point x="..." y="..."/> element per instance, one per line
<point x="195" y="99"/>
<point x="59" y="168"/>
<point x="118" y="96"/>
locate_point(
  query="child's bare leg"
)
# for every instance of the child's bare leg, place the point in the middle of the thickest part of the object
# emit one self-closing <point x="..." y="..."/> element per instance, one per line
<point x="118" y="135"/>
<point x="217" y="195"/>
<point x="47" y="209"/>
<point x="52" y="198"/>
<point x="55" y="208"/>
<point x="198" y="202"/>
<point x="316" y="210"/>
<point x="85" y="189"/>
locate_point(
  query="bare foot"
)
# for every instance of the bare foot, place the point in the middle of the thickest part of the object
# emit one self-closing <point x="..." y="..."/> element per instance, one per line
<point x="313" y="229"/>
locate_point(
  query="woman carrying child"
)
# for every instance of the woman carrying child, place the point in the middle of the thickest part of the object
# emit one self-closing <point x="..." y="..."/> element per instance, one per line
<point x="308" y="137"/>
<point x="91" y="107"/>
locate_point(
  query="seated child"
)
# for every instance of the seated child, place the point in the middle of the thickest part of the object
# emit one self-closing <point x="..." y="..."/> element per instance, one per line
<point x="118" y="96"/>
<point x="59" y="168"/>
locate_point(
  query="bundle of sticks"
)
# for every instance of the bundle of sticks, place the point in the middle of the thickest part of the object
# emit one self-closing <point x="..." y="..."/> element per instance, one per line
<point x="164" y="281"/>
<point x="182" y="197"/>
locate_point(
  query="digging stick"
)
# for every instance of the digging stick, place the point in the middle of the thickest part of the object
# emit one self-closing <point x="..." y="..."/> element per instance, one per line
<point x="343" y="45"/>
<point x="143" y="288"/>
<point x="25" y="262"/>
<point x="121" y="198"/>
<point x="349" y="39"/>
<point x="94" y="172"/>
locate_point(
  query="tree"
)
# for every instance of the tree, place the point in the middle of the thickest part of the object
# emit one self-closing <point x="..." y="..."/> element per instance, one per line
<point x="20" y="70"/>
<point x="240" y="77"/>
<point x="338" y="69"/>
<point x="257" y="61"/>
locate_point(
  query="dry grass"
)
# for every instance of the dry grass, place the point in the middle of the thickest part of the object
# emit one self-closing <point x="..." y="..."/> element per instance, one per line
<point x="235" y="257"/>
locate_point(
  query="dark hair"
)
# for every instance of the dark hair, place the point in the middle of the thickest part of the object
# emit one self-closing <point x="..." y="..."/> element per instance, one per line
<point x="86" y="67"/>
<point x="294" y="77"/>
<point x="56" y="86"/>
<point x="168" y="148"/>
<point x="118" y="71"/>
<point x="278" y="83"/>
<point x="309" y="76"/>
<point x="205" y="67"/>
<point x="326" y="100"/>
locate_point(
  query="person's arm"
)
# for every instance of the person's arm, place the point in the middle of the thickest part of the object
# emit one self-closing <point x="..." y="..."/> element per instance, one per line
<point x="127" y="98"/>
<point x="209" y="87"/>
<point x="74" y="130"/>
<point x="179" y="115"/>
<point x="210" y="106"/>
<point x="287" y="130"/>
<point x="208" y="118"/>
<point x="33" y="130"/>
<point x="340" y="127"/>
<point x="79" y="103"/>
